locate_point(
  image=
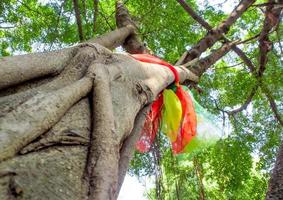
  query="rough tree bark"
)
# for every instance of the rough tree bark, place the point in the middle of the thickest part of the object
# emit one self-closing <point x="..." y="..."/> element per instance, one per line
<point x="63" y="133"/>
<point x="69" y="119"/>
<point x="215" y="34"/>
<point x="272" y="19"/>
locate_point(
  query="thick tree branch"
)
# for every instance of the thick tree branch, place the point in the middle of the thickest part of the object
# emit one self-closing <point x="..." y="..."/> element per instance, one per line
<point x="200" y="66"/>
<point x="78" y="19"/>
<point x="17" y="69"/>
<point x="214" y="34"/>
<point x="265" y="45"/>
<point x="272" y="18"/>
<point x="84" y="54"/>
<point x="133" y="43"/>
<point x="272" y="103"/>
<point x="114" y="38"/>
<point x="201" y="21"/>
<point x="242" y="55"/>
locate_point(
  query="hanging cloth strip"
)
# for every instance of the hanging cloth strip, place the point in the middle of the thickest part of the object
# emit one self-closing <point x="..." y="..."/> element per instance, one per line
<point x="171" y="113"/>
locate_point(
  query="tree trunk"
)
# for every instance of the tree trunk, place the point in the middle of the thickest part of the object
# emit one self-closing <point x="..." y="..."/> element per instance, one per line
<point x="69" y="119"/>
<point x="275" y="190"/>
<point x="198" y="171"/>
<point x="66" y="119"/>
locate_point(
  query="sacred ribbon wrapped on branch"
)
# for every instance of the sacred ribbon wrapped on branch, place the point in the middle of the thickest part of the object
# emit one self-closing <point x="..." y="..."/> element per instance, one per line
<point x="178" y="115"/>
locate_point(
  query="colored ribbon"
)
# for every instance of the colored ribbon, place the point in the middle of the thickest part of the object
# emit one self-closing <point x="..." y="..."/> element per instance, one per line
<point x="172" y="113"/>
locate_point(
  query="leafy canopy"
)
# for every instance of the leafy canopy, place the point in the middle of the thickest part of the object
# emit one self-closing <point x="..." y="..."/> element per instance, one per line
<point x="235" y="168"/>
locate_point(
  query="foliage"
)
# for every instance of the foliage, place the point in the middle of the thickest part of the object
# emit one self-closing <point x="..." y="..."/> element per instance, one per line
<point x="235" y="168"/>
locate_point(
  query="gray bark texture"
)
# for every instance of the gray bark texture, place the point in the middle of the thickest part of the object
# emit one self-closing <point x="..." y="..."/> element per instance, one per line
<point x="68" y="119"/>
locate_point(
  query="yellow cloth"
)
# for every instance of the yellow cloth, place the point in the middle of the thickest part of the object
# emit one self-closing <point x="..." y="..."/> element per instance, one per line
<point x="172" y="114"/>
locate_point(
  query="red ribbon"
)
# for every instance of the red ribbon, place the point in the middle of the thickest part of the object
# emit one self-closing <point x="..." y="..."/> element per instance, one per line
<point x="151" y="125"/>
<point x="155" y="60"/>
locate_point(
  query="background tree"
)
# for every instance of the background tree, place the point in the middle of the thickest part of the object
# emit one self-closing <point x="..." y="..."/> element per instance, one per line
<point x="70" y="114"/>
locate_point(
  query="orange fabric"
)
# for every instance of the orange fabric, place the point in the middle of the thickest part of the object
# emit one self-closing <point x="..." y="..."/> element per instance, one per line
<point x="151" y="126"/>
<point x="189" y="123"/>
<point x="187" y="127"/>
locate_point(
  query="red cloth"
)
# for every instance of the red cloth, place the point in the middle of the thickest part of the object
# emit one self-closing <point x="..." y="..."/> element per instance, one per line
<point x="151" y="126"/>
<point x="155" y="60"/>
<point x="189" y="123"/>
<point x="153" y="118"/>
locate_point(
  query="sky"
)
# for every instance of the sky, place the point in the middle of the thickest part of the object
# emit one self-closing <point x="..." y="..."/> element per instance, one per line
<point x="132" y="188"/>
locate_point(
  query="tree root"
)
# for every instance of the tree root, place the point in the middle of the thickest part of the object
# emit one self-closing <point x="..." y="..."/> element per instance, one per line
<point x="37" y="115"/>
<point x="102" y="162"/>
